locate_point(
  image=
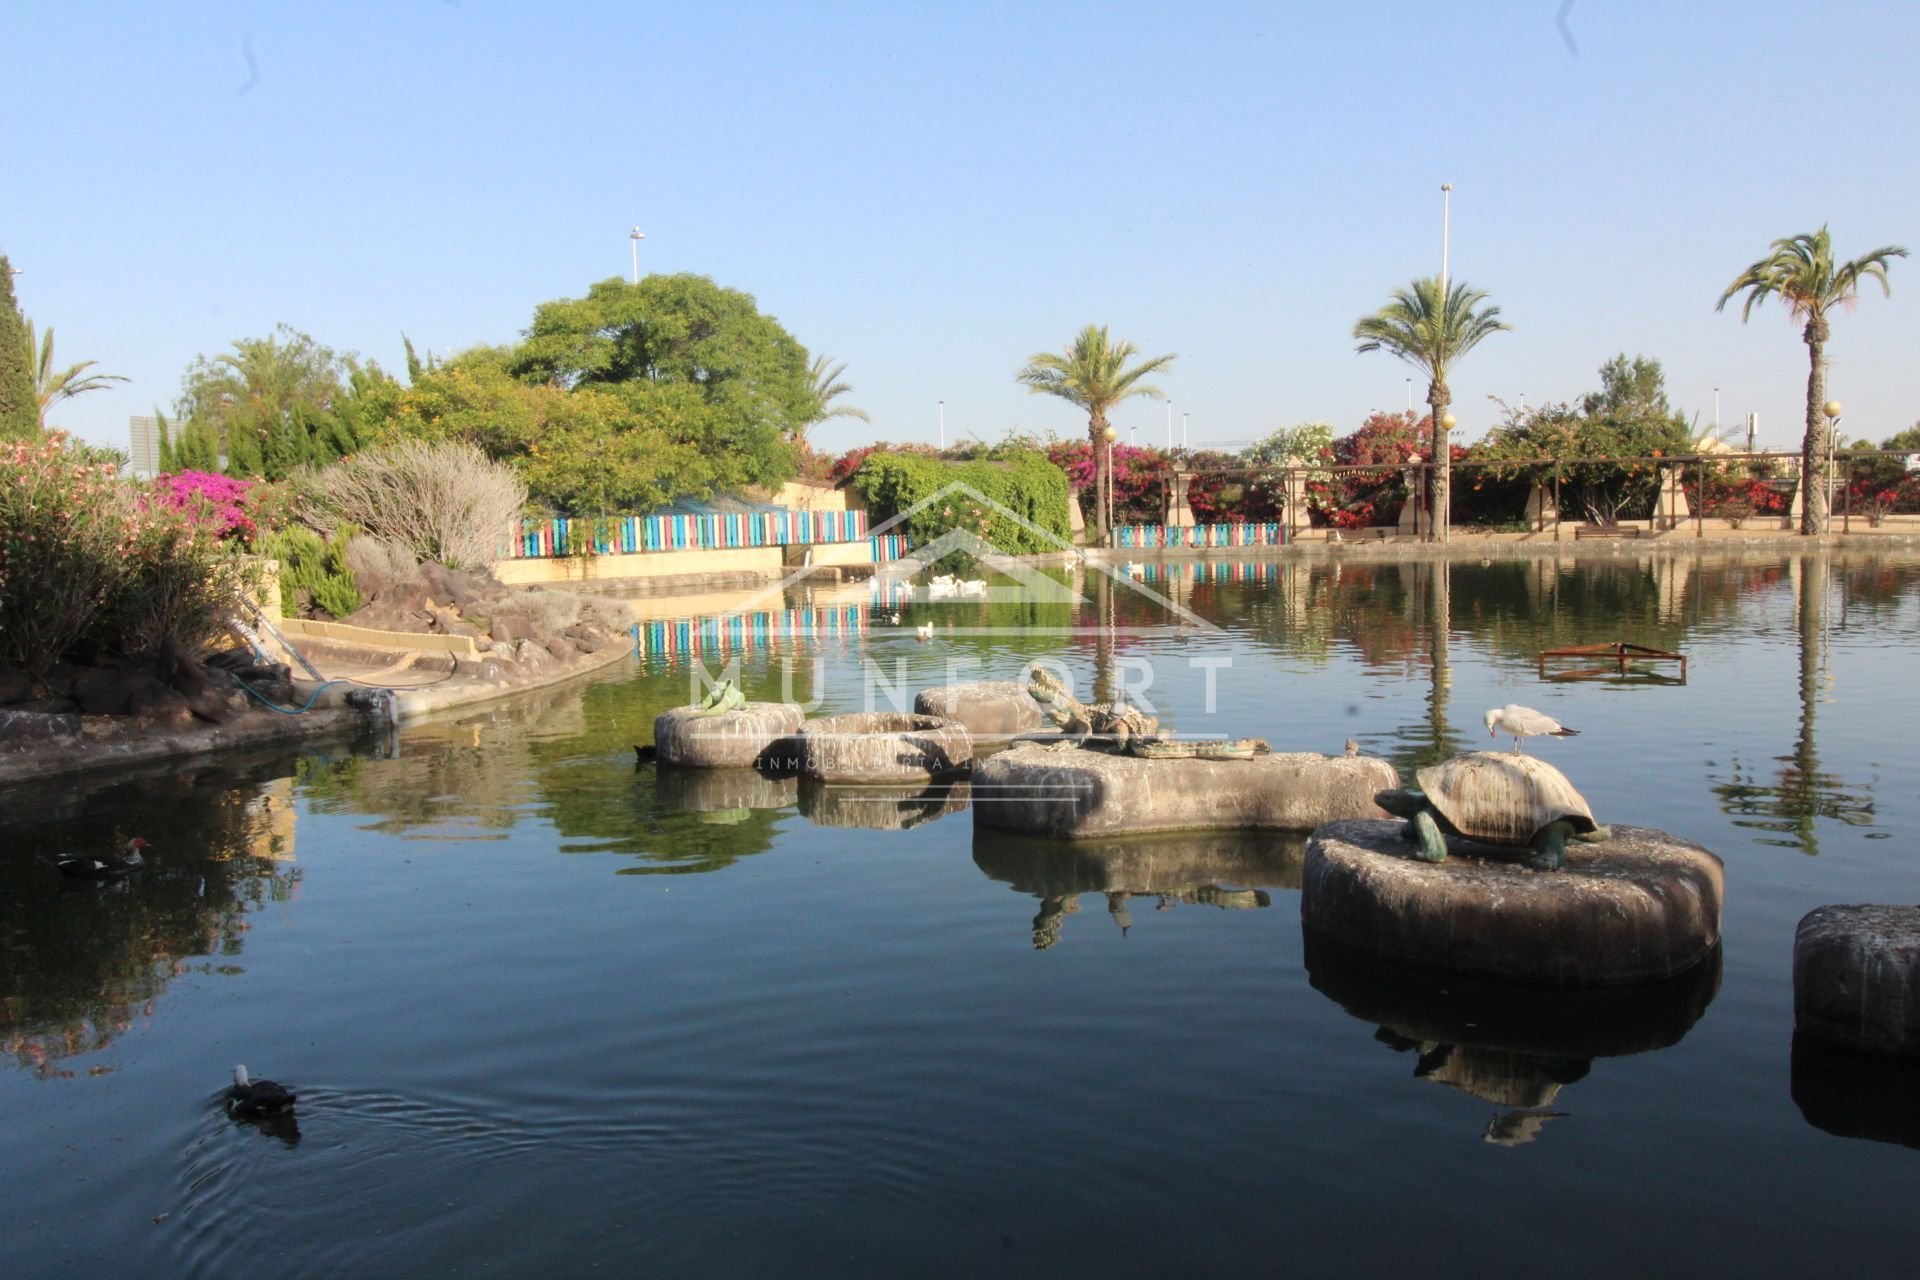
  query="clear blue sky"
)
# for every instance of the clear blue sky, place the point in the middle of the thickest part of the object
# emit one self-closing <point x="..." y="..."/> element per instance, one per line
<point x="932" y="193"/>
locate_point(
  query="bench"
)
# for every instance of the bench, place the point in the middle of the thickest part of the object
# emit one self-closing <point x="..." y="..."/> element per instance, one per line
<point x="1607" y="531"/>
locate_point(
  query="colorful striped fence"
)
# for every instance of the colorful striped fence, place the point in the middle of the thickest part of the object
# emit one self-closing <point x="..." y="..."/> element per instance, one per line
<point x="1141" y="537"/>
<point x="628" y="535"/>
<point x="1208" y="571"/>
<point x="743" y="631"/>
<point x="888" y="547"/>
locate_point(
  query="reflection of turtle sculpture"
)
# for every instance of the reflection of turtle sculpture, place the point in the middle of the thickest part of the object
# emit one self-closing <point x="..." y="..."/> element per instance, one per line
<point x="726" y="696"/>
<point x="1113" y="724"/>
<point x="1495" y="798"/>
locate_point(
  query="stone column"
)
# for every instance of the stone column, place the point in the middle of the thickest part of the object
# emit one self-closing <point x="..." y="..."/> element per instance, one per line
<point x="1540" y="509"/>
<point x="1179" y="514"/>
<point x="1670" y="509"/>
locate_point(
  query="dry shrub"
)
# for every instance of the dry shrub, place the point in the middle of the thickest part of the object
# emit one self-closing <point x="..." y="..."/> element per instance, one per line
<point x="445" y="502"/>
<point x="377" y="560"/>
<point x="603" y="611"/>
<point x="548" y="613"/>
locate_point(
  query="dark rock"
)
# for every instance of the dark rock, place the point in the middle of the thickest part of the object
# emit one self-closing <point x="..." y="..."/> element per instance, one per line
<point x="529" y="654"/>
<point x="15" y="686"/>
<point x="1856" y="979"/>
<point x="103" y="691"/>
<point x="465" y="588"/>
<point x="512" y="629"/>
<point x="406" y="597"/>
<point x="47" y="706"/>
<point x="448" y="623"/>
<point x="160" y="706"/>
<point x="562" y="649"/>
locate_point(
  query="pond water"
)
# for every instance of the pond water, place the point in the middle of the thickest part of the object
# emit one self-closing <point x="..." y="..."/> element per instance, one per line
<point x="549" y="1012"/>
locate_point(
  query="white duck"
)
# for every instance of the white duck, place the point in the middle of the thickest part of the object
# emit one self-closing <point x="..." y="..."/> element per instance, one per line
<point x="923" y="632"/>
<point x="1519" y="722"/>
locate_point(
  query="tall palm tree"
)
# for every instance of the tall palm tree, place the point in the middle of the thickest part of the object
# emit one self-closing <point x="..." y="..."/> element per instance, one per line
<point x="823" y="383"/>
<point x="50" y="385"/>
<point x="1094" y="374"/>
<point x="1801" y="270"/>
<point x="1431" y="333"/>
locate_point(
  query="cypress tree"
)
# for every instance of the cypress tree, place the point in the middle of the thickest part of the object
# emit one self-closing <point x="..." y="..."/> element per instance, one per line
<point x="19" y="406"/>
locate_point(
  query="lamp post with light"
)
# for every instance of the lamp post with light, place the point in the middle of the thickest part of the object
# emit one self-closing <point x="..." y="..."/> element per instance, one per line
<point x="634" y="238"/>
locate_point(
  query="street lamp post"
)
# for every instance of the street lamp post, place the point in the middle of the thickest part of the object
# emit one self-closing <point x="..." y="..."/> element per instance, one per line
<point x="1442" y="522"/>
<point x="1106" y="513"/>
<point x="1169" y="424"/>
<point x="634" y="238"/>
<point x="943" y="426"/>
<point x="1183" y="429"/>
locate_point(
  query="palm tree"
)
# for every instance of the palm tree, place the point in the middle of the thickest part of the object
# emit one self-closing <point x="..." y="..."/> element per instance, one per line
<point x="1431" y="332"/>
<point x="823" y="383"/>
<point x="50" y="385"/>
<point x="1801" y="270"/>
<point x="1093" y="374"/>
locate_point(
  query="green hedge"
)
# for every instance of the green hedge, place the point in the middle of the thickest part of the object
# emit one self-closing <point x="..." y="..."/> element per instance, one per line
<point x="1021" y="482"/>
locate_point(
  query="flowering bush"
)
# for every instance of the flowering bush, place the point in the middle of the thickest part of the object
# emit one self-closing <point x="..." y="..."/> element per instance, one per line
<point x="85" y="562"/>
<point x="222" y="501"/>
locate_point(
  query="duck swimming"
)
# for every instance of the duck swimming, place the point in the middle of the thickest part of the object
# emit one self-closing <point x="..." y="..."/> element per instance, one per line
<point x="104" y="866"/>
<point x="256" y="1099"/>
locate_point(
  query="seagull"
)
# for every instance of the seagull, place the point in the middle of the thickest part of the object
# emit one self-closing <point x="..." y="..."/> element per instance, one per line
<point x="923" y="632"/>
<point x="1524" y="722"/>
<point x="256" y="1099"/>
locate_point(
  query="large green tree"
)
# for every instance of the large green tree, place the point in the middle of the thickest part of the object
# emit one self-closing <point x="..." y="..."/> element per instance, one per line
<point x="1431" y="332"/>
<point x="586" y="452"/>
<point x="1802" y="273"/>
<point x="686" y="331"/>
<point x="51" y="385"/>
<point x="19" y="408"/>
<point x="1097" y="374"/>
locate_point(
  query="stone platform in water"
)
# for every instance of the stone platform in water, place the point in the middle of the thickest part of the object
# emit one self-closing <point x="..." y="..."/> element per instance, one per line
<point x="1079" y="794"/>
<point x="883" y="746"/>
<point x="988" y="708"/>
<point x="1638" y="907"/>
<point x="690" y="738"/>
<point x="1856" y="979"/>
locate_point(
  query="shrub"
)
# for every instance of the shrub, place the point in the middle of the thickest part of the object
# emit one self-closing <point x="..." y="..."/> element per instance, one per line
<point x="548" y="613"/>
<point x="313" y="571"/>
<point x="373" y="560"/>
<point x="444" y="502"/>
<point x="66" y="528"/>
<point x="1023" y="483"/>
<point x="221" y="501"/>
<point x="88" y="561"/>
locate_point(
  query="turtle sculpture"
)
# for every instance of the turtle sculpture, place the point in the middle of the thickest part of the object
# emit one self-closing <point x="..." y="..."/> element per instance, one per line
<point x="1111" y="724"/>
<point x="726" y="696"/>
<point x="1495" y="798"/>
<point x="1126" y="730"/>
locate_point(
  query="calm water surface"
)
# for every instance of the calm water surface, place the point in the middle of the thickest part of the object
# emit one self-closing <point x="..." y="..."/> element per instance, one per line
<point x="548" y="1014"/>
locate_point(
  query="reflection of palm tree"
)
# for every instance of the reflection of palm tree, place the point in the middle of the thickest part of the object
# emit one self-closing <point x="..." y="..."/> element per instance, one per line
<point x="1439" y="621"/>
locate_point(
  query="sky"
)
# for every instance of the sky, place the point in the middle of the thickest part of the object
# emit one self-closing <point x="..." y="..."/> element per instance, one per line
<point x="932" y="193"/>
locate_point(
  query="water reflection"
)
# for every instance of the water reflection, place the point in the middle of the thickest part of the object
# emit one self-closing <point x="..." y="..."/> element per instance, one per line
<point x="722" y="796"/>
<point x="84" y="962"/>
<point x="1516" y="1047"/>
<point x="882" y="808"/>
<point x="1226" y="870"/>
<point x="1856" y="1095"/>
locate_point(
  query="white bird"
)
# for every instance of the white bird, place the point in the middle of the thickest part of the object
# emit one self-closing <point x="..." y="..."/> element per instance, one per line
<point x="894" y="617"/>
<point x="1520" y="722"/>
<point x="923" y="632"/>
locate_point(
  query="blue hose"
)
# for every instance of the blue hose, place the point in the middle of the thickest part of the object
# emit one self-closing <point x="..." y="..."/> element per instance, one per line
<point x="289" y="711"/>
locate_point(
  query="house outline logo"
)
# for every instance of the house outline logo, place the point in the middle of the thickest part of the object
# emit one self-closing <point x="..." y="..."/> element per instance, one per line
<point x="1014" y="566"/>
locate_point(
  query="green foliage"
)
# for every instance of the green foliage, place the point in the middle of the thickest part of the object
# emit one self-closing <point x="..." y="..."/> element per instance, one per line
<point x="1096" y="373"/>
<point x="276" y="404"/>
<point x="51" y="385"/>
<point x="684" y="331"/>
<point x="19" y="407"/>
<point x="87" y="560"/>
<point x="581" y="452"/>
<point x="1532" y="439"/>
<point x="1022" y="483"/>
<point x="1429" y="332"/>
<point x="825" y="386"/>
<point x="1629" y="388"/>
<point x="313" y="571"/>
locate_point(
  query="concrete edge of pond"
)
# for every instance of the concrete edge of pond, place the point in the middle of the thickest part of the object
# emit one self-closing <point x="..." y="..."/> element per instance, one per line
<point x="95" y="744"/>
<point x="1638" y="907"/>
